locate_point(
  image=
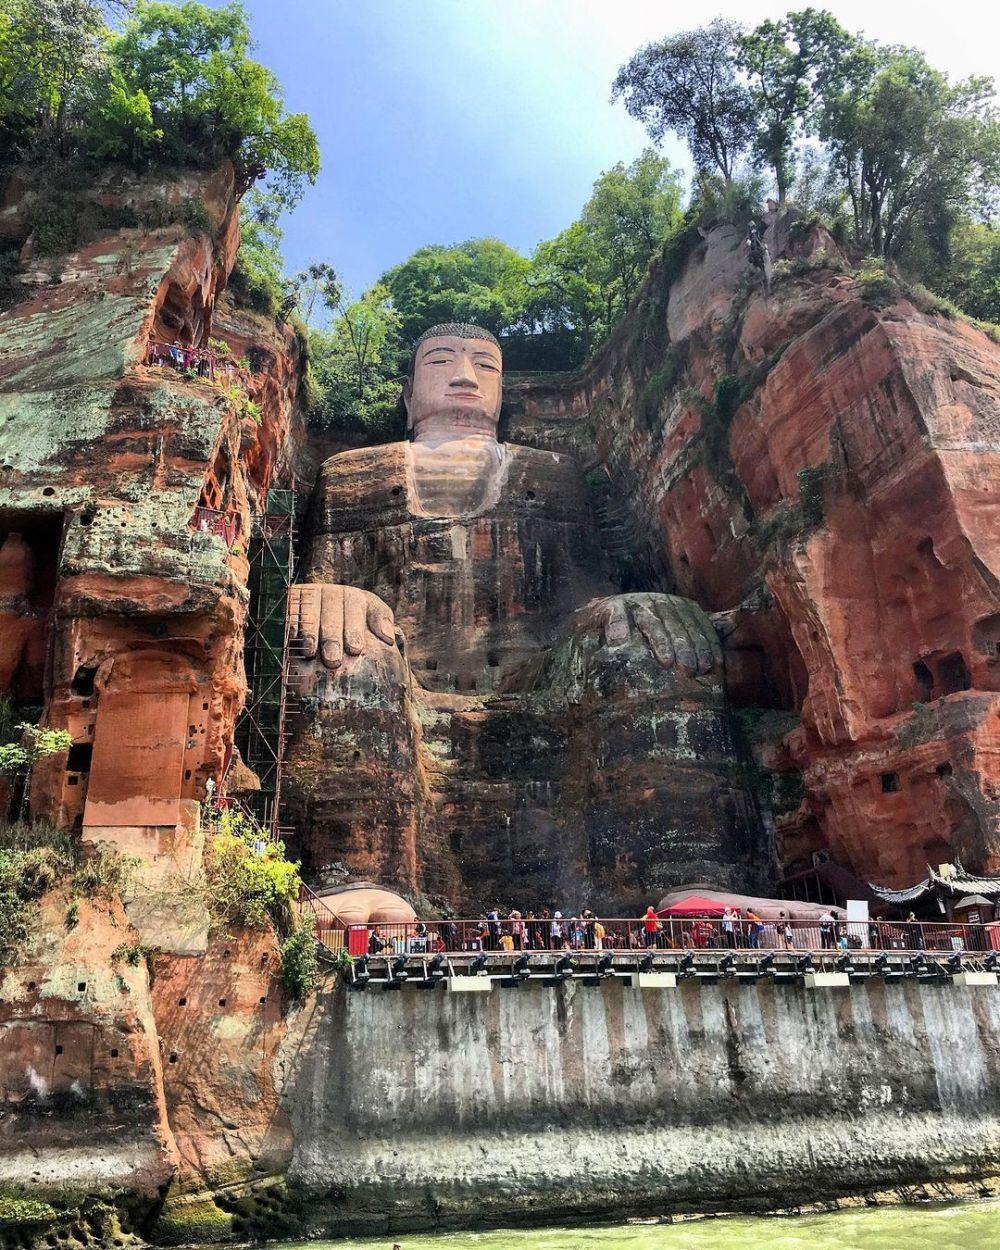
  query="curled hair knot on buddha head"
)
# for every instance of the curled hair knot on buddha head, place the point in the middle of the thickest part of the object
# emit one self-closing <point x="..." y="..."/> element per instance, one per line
<point x="452" y="330"/>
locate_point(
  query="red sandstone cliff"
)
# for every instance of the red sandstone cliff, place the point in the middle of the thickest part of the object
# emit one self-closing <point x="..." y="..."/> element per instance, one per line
<point x="826" y="455"/>
<point x="126" y="492"/>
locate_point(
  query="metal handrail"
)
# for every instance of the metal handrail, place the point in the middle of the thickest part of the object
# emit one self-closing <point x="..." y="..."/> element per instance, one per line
<point x="621" y="935"/>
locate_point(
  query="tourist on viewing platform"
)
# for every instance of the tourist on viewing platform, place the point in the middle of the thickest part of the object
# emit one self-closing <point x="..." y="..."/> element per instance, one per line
<point x="493" y="930"/>
<point x="755" y="928"/>
<point x="600" y="936"/>
<point x="588" y="918"/>
<point x="785" y="931"/>
<point x="557" y="933"/>
<point x="376" y="942"/>
<point x="728" y="925"/>
<point x="577" y="934"/>
<point x="826" y="931"/>
<point x="650" y="927"/>
<point x="914" y="933"/>
<point x="543" y="923"/>
<point x="517" y="930"/>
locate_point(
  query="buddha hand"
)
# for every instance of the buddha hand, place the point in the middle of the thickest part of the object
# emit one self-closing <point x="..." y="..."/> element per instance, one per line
<point x="675" y="631"/>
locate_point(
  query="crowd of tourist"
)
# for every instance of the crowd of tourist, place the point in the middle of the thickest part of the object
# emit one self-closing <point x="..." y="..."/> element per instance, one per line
<point x="553" y="931"/>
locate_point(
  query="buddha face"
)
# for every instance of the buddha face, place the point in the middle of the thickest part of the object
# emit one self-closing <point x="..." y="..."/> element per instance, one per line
<point x="456" y="386"/>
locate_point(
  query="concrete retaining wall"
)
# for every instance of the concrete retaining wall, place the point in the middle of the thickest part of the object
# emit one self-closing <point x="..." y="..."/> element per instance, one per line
<point x="429" y="1107"/>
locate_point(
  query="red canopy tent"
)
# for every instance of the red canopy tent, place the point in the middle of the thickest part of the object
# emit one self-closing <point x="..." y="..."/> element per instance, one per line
<point x="693" y="905"/>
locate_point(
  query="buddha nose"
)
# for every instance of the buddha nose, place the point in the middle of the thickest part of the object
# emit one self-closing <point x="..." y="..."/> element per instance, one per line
<point x="464" y="375"/>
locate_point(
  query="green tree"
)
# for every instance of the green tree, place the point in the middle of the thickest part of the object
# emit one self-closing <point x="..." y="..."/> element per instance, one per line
<point x="258" y="280"/>
<point x="356" y="364"/>
<point x="970" y="274"/>
<point x="210" y="98"/>
<point x="630" y="212"/>
<point x="780" y="59"/>
<point x="688" y="84"/>
<point x="317" y="284"/>
<point x="51" y="52"/>
<point x="914" y="152"/>
<point x="566" y="301"/>
<point x="481" y="281"/>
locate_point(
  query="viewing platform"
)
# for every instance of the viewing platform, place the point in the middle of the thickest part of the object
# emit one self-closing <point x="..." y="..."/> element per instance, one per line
<point x="479" y="955"/>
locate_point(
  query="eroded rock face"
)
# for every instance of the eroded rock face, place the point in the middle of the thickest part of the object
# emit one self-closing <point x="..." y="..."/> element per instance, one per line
<point x="126" y="491"/>
<point x="111" y="475"/>
<point x="821" y="473"/>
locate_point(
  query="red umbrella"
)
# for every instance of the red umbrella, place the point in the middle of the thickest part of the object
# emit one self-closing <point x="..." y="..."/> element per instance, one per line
<point x="694" y="905"/>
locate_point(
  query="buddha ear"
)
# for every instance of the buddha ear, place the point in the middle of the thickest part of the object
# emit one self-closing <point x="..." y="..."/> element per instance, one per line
<point x="407" y="396"/>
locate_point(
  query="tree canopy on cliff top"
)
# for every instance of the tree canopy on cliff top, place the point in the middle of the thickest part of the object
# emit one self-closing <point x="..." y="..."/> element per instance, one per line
<point x="146" y="82"/>
<point x="909" y="154"/>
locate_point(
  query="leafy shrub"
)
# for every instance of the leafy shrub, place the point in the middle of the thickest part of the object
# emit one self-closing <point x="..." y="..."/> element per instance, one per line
<point x="106" y="875"/>
<point x="299" y="962"/>
<point x="25" y="875"/>
<point x="878" y="288"/>
<point x="132" y="953"/>
<point x="250" y="882"/>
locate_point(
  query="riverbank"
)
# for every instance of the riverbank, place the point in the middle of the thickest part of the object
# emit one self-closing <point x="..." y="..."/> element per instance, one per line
<point x="952" y="1226"/>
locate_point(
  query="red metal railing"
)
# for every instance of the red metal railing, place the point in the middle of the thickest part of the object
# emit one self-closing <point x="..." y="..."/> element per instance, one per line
<point x="211" y="521"/>
<point x="329" y="929"/>
<point x="200" y="360"/>
<point x="623" y="935"/>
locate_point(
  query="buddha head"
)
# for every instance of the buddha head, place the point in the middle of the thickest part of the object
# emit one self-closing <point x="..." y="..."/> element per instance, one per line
<point x="454" y="386"/>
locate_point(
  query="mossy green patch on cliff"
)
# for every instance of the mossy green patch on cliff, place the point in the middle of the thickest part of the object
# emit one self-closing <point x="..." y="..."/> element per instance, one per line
<point x="185" y="1221"/>
<point x="25" y="1212"/>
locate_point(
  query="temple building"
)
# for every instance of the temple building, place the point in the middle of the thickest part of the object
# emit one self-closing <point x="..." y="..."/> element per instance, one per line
<point x="946" y="893"/>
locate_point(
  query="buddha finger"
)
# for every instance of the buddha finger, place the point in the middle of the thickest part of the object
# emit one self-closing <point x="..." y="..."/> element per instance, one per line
<point x="702" y="631"/>
<point x="332" y="626"/>
<point x="676" y="626"/>
<point x="656" y="635"/>
<point x="616" y="629"/>
<point x="380" y="621"/>
<point x="355" y="612"/>
<point x="305" y="617"/>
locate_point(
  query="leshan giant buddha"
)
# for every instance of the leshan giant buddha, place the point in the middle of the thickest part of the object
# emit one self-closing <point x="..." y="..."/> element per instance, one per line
<point x="487" y="720"/>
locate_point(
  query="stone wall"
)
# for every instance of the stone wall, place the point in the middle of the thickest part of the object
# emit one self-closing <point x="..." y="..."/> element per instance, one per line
<point x="433" y="1107"/>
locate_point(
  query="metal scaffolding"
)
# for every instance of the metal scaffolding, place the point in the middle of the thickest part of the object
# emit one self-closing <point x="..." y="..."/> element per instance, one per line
<point x="262" y="728"/>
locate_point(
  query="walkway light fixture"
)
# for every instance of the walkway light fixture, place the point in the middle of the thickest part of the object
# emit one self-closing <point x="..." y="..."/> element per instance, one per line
<point x="360" y="974"/>
<point x="478" y="965"/>
<point x="686" y="967"/>
<point x="727" y="965"/>
<point x="646" y="963"/>
<point x="521" y="968"/>
<point x="398" y="968"/>
<point x="766" y="965"/>
<point x="605" y="966"/>
<point x="564" y="967"/>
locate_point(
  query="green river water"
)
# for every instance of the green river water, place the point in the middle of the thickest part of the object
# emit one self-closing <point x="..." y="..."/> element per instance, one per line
<point x="957" y="1226"/>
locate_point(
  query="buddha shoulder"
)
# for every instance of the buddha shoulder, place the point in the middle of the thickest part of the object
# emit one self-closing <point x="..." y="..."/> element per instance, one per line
<point x="353" y="486"/>
<point x="545" y="483"/>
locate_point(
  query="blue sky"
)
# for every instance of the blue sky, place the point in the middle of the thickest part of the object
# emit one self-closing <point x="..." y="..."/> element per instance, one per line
<point x="439" y="120"/>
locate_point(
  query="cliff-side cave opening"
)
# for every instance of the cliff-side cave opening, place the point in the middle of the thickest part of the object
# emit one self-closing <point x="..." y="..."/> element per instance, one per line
<point x="925" y="681"/>
<point x="986" y="635"/>
<point x="953" y="673"/>
<point x="181" y="317"/>
<point x="29" y="565"/>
